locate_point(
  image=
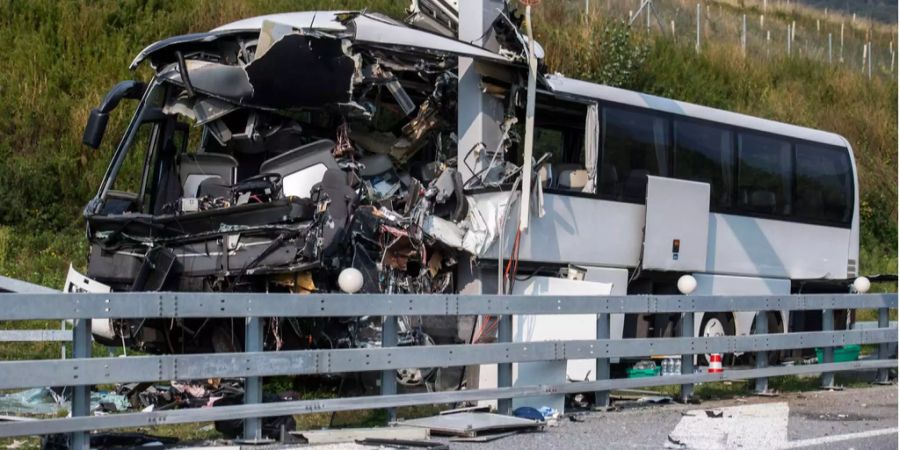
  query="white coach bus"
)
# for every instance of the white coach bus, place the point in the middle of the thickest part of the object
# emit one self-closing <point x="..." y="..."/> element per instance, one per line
<point x="640" y="190"/>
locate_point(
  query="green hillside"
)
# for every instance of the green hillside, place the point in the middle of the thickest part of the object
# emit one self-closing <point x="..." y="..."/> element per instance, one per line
<point x="61" y="57"/>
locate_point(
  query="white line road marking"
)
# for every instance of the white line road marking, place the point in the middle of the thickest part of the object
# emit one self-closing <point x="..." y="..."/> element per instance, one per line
<point x="763" y="425"/>
<point x="815" y="442"/>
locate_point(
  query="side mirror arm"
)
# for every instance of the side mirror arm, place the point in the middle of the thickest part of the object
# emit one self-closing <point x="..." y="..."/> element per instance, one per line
<point x="96" y="125"/>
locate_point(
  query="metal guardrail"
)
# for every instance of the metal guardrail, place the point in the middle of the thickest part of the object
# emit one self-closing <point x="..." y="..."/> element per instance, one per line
<point x="85" y="371"/>
<point x="35" y="335"/>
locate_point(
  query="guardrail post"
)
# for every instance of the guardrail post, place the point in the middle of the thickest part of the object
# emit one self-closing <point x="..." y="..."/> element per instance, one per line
<point x="81" y="394"/>
<point x="504" y="370"/>
<point x="762" y="357"/>
<point x="687" y="360"/>
<point x="883" y="375"/>
<point x="389" y="376"/>
<point x="253" y="342"/>
<point x="828" y="352"/>
<point x="601" y="398"/>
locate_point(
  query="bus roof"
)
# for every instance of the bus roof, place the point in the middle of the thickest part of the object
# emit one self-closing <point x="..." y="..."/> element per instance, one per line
<point x="562" y="85"/>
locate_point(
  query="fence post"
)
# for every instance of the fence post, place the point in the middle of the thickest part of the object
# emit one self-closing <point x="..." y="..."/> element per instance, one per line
<point x="789" y="40"/>
<point x="504" y="370"/>
<point x="828" y="352"/>
<point x="841" y="54"/>
<point x="870" y="59"/>
<point x="829" y="48"/>
<point x="744" y="35"/>
<point x="687" y="361"/>
<point x="81" y="394"/>
<point x="762" y="357"/>
<point x="697" y="45"/>
<point x="253" y="342"/>
<point x="601" y="398"/>
<point x="389" y="376"/>
<point x="882" y="377"/>
<point x="62" y="323"/>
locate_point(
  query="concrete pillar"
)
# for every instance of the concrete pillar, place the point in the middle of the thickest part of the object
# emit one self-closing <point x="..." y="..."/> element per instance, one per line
<point x="479" y="115"/>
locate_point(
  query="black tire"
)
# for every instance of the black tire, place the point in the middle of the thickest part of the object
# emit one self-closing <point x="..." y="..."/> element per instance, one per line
<point x="727" y="325"/>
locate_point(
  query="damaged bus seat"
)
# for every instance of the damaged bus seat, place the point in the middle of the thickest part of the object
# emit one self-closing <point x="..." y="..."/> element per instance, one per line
<point x="205" y="170"/>
<point x="302" y="167"/>
<point x="572" y="180"/>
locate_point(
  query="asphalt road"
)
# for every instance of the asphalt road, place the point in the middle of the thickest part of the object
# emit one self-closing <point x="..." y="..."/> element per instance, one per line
<point x="864" y="418"/>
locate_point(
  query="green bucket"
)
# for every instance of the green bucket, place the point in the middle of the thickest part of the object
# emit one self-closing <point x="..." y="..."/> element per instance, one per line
<point x="841" y="354"/>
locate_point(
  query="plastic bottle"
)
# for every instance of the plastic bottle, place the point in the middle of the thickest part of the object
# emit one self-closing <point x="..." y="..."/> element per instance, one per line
<point x="666" y="367"/>
<point x="677" y="369"/>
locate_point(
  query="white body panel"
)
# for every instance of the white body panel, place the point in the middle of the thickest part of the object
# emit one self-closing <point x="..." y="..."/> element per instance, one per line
<point x="676" y="229"/>
<point x="578" y="230"/>
<point x="593" y="232"/>
<point x="751" y="246"/>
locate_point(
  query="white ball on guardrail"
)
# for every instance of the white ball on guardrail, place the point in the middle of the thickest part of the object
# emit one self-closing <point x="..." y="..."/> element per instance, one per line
<point x="862" y="285"/>
<point x="687" y="284"/>
<point x="350" y="280"/>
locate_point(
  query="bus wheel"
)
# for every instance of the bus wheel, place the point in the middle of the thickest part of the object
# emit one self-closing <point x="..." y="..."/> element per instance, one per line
<point x="714" y="325"/>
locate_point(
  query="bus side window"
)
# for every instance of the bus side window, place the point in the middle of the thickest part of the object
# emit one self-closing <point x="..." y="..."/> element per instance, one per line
<point x="705" y="153"/>
<point x="824" y="184"/>
<point x="764" y="175"/>
<point x="634" y="145"/>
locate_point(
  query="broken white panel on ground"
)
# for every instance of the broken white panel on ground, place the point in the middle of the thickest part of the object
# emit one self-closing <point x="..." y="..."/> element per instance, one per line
<point x="763" y="425"/>
<point x="550" y="327"/>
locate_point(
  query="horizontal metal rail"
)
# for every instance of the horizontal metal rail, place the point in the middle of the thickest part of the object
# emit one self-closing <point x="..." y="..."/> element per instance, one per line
<point x="22" y="374"/>
<point x="13" y="285"/>
<point x="205" y="305"/>
<point x="75" y="424"/>
<point x="35" y="335"/>
<point x="868" y="325"/>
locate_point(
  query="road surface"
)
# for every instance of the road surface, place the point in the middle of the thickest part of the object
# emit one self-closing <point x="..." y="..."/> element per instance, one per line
<point x="863" y="418"/>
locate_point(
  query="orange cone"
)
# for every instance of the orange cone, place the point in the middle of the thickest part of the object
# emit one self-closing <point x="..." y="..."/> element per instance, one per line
<point x="715" y="363"/>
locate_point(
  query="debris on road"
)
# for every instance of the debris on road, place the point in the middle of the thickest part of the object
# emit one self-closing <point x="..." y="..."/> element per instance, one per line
<point x="474" y="424"/>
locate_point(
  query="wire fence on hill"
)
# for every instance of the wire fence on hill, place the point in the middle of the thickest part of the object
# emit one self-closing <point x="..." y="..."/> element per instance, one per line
<point x="762" y="29"/>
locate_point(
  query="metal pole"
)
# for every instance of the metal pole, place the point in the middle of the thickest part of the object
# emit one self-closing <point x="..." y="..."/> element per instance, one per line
<point x="829" y="48"/>
<point x="504" y="370"/>
<point x="865" y="53"/>
<point x="389" y="376"/>
<point x="649" y="7"/>
<point x="253" y="342"/>
<point x="744" y="36"/>
<point x="827" y="352"/>
<point x="870" y="60"/>
<point x="697" y="45"/>
<point x="789" y="40"/>
<point x="601" y="398"/>
<point x="841" y="54"/>
<point x="687" y="361"/>
<point x="762" y="357"/>
<point x="882" y="377"/>
<point x="81" y="396"/>
<point x="527" y="162"/>
<point x="62" y="326"/>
